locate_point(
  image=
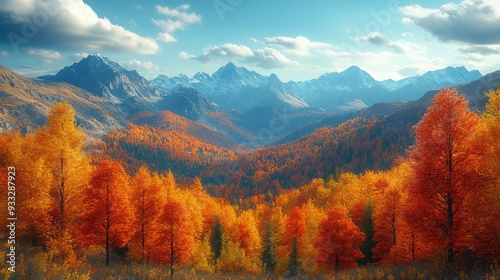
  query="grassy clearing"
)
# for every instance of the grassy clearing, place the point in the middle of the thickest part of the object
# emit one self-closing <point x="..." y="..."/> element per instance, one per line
<point x="33" y="263"/>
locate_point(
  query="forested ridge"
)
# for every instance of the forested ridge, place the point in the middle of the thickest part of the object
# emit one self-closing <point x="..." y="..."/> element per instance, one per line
<point x="432" y="213"/>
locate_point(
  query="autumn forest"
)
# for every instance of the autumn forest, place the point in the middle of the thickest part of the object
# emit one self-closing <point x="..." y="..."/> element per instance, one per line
<point x="144" y="203"/>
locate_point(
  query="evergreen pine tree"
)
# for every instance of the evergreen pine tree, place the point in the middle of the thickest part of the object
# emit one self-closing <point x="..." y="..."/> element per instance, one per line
<point x="294" y="264"/>
<point x="268" y="257"/>
<point x="369" y="231"/>
<point x="216" y="241"/>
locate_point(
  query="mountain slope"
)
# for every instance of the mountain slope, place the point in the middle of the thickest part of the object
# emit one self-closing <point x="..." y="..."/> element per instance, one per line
<point x="233" y="87"/>
<point x="187" y="102"/>
<point x="25" y="102"/>
<point x="356" y="145"/>
<point x="168" y="121"/>
<point x="334" y="89"/>
<point x="353" y="87"/>
<point x="105" y="78"/>
<point x="412" y="88"/>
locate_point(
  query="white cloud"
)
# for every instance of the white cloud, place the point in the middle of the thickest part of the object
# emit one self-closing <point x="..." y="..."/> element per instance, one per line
<point x="270" y="58"/>
<point x="30" y="71"/>
<point x="422" y="67"/>
<point x="407" y="34"/>
<point x="47" y="54"/>
<point x="165" y="37"/>
<point x="131" y="21"/>
<point x="398" y="46"/>
<point x="227" y="50"/>
<point x="80" y="55"/>
<point x="299" y="46"/>
<point x="267" y="58"/>
<point x="471" y="21"/>
<point x="147" y="68"/>
<point x="70" y="24"/>
<point x="335" y="53"/>
<point x="177" y="19"/>
<point x="407" y="21"/>
<point x="4" y="53"/>
<point x="481" y="50"/>
<point x="378" y="39"/>
<point x="135" y="64"/>
<point x="255" y="41"/>
<point x="232" y="50"/>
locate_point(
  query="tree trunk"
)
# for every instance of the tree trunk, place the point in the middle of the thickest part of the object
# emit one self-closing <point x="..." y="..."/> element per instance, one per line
<point x="172" y="255"/>
<point x="451" y="242"/>
<point x="62" y="222"/>
<point x="108" y="224"/>
<point x="107" y="248"/>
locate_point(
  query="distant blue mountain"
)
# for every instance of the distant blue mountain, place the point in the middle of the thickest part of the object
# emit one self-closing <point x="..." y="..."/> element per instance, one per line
<point x="233" y="87"/>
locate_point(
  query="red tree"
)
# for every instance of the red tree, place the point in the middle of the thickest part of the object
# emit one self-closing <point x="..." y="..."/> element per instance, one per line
<point x="295" y="225"/>
<point x="146" y="200"/>
<point x="108" y="218"/>
<point x="445" y="171"/>
<point x="175" y="237"/>
<point x="338" y="241"/>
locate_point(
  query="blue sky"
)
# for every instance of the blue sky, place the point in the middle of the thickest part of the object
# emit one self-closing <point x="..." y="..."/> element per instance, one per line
<point x="297" y="40"/>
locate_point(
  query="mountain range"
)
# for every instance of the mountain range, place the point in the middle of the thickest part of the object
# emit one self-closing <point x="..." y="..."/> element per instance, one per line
<point x="199" y="126"/>
<point x="107" y="79"/>
<point x="249" y="108"/>
<point x="233" y="87"/>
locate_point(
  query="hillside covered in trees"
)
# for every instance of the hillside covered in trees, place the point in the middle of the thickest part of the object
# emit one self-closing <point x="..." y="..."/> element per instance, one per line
<point x="84" y="214"/>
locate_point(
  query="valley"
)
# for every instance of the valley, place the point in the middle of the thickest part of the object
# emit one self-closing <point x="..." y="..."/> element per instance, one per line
<point x="246" y="153"/>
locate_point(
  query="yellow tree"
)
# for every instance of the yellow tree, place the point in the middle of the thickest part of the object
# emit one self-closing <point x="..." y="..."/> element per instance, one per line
<point x="32" y="187"/>
<point x="60" y="145"/>
<point x="314" y="217"/>
<point x="486" y="229"/>
<point x="247" y="234"/>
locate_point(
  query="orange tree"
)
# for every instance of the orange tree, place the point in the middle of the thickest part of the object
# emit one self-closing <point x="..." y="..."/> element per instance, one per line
<point x="109" y="216"/>
<point x="338" y="241"/>
<point x="445" y="172"/>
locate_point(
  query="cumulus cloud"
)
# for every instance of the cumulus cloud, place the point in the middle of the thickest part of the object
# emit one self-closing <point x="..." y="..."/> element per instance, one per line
<point x="299" y="46"/>
<point x="471" y="21"/>
<point x="255" y="41"/>
<point x="422" y="67"/>
<point x="146" y="68"/>
<point x="68" y="24"/>
<point x="398" y="46"/>
<point x="166" y="37"/>
<point x="377" y="39"/>
<point x="270" y="58"/>
<point x="31" y="71"/>
<point x="267" y="58"/>
<point x="481" y="50"/>
<point x="135" y="64"/>
<point x="47" y="54"/>
<point x="177" y="18"/>
<point x="80" y="55"/>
